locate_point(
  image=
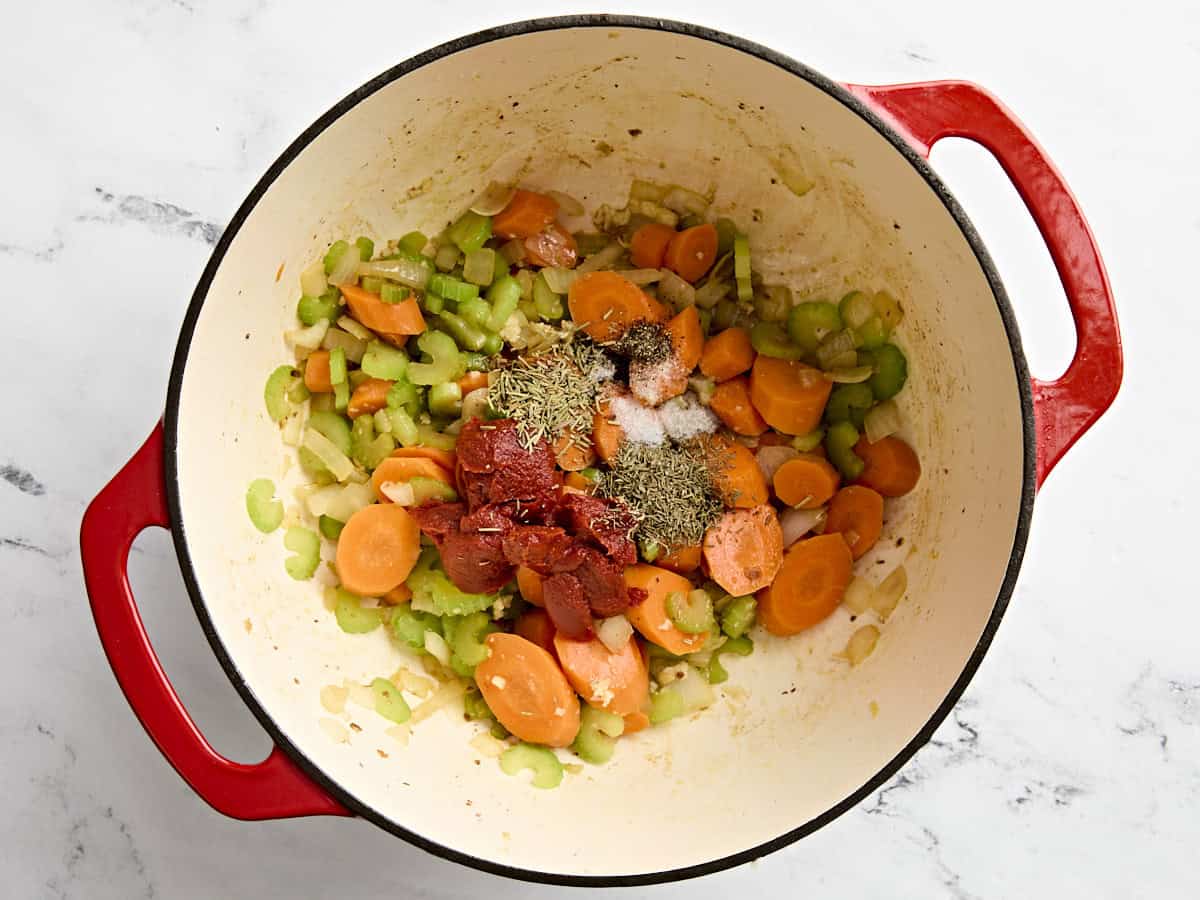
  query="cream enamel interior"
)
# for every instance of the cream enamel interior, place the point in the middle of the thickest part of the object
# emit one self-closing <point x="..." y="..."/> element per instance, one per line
<point x="795" y="730"/>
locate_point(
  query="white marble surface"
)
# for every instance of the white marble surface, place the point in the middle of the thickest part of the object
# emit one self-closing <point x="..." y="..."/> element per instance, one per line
<point x="132" y="131"/>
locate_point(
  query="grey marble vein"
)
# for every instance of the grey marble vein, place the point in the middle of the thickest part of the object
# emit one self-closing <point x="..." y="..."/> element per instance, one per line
<point x="158" y="215"/>
<point x="22" y="480"/>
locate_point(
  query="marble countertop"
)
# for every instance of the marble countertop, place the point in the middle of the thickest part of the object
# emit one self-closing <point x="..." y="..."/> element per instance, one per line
<point x="1072" y="765"/>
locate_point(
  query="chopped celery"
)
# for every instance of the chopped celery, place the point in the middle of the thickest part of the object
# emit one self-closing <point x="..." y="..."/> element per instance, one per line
<point x="741" y="257"/>
<point x="839" y="445"/>
<point x="407" y="396"/>
<point x="466" y="335"/>
<point x="372" y="284"/>
<point x="366" y="247"/>
<point x="264" y="510"/>
<point x="666" y="704"/>
<point x="354" y="618"/>
<point x="598" y="733"/>
<point x="435" y="592"/>
<point x="389" y="702"/>
<point x="528" y="309"/>
<point x="837" y="351"/>
<point x="855" y="309"/>
<point x="334" y="427"/>
<point x="393" y="293"/>
<point x="479" y="266"/>
<point x="425" y="489"/>
<point x="413" y="243"/>
<point x="499" y="266"/>
<point x="446" y="360"/>
<point x="368" y="449"/>
<point x="492" y="344"/>
<point x="321" y="403"/>
<point x="429" y="436"/>
<point x="334" y="255"/>
<point x="503" y="295"/>
<point x="724" y="315"/>
<point x="846" y="399"/>
<point x="446" y="258"/>
<point x="330" y="527"/>
<point x="738" y="616"/>
<point x="337" y="366"/>
<point x="306" y="545"/>
<point x="891" y="371"/>
<point x="384" y="361"/>
<point x="806" y="443"/>
<point x="319" y="455"/>
<point x="547" y="304"/>
<point x="810" y="323"/>
<point x="341" y="396"/>
<point x="477" y="362"/>
<point x="691" y="613"/>
<point x="774" y="303"/>
<point x="738" y="646"/>
<point x="745" y="290"/>
<point x="452" y="288"/>
<point x="311" y="310"/>
<point x="298" y="392"/>
<point x="404" y="429"/>
<point x="445" y="399"/>
<point x="279" y="382"/>
<point x="475" y="311"/>
<point x="726" y="233"/>
<point x="889" y="310"/>
<point x="648" y="550"/>
<point x="409" y="626"/>
<point x="474" y="706"/>
<point x="467" y="649"/>
<point x="471" y="231"/>
<point x="871" y="335"/>
<point x="547" y="770"/>
<point x="769" y="339"/>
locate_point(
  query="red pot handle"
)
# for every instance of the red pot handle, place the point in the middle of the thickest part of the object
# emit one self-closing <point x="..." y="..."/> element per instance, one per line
<point x="929" y="111"/>
<point x="134" y="500"/>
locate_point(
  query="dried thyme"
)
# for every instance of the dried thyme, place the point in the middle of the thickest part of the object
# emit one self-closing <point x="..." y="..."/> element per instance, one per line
<point x="552" y="392"/>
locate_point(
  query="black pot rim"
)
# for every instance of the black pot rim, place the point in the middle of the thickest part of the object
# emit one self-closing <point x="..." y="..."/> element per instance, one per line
<point x="835" y="90"/>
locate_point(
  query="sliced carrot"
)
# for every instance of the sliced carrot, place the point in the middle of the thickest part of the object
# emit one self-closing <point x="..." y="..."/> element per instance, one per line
<point x="773" y="439"/>
<point x="681" y="559"/>
<point x="618" y="682"/>
<point x="659" y="311"/>
<point x="369" y="397"/>
<point x="789" y="395"/>
<point x="572" y="457"/>
<point x="692" y="251"/>
<point x="650" y="616"/>
<point x="397" y="595"/>
<point x="316" y="372"/>
<point x="398" y="469"/>
<point x="472" y="381"/>
<point x="737" y="477"/>
<point x="648" y="246"/>
<point x="578" y="482"/>
<point x="687" y="337"/>
<point x="527" y="214"/>
<point x="892" y="467"/>
<point x="377" y="549"/>
<point x="529" y="583"/>
<point x="524" y="687"/>
<point x="726" y="354"/>
<point x="392" y="318"/>
<point x="635" y="722"/>
<point x="447" y="459"/>
<point x="806" y="482"/>
<point x="607" y="304"/>
<point x="534" y="625"/>
<point x="731" y="402"/>
<point x="606" y="435"/>
<point x="553" y="246"/>
<point x="396" y="340"/>
<point x="809" y="586"/>
<point x="744" y="549"/>
<point x="856" y="512"/>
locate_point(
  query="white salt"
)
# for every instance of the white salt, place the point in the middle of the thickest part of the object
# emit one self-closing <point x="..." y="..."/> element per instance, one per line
<point x="685" y="417"/>
<point x="641" y="424"/>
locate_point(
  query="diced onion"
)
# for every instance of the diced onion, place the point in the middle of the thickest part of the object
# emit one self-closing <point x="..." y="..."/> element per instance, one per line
<point x="889" y="592"/>
<point x="601" y="259"/>
<point x="858" y="310"/>
<point x="479" y="266"/>
<point x="513" y="251"/>
<point x="855" y="375"/>
<point x="711" y="293"/>
<point x="492" y="199"/>
<point x="360" y="694"/>
<point x="475" y="404"/>
<point x="674" y="290"/>
<point x="835" y="348"/>
<point x="293" y="426"/>
<point x="312" y="280"/>
<point x="796" y="523"/>
<point x="858" y="596"/>
<point x="861" y="644"/>
<point x="450" y="692"/>
<point x="642" y="276"/>
<point x="646" y="190"/>
<point x="347" y="266"/>
<point x="446" y="257"/>
<point x="399" y="492"/>
<point x="333" y="698"/>
<point x="770" y="458"/>
<point x="308" y="338"/>
<point x="436" y="646"/>
<point x="355" y="328"/>
<point x="486" y="745"/>
<point x="404" y="270"/>
<point x="694" y="689"/>
<point x="567" y="204"/>
<point x="327" y="452"/>
<point x="614" y="633"/>
<point x="889" y="309"/>
<point x="882" y="420"/>
<point x="349" y="344"/>
<point x="558" y="279"/>
<point x="654" y="211"/>
<point x="339" y="501"/>
<point x="683" y="201"/>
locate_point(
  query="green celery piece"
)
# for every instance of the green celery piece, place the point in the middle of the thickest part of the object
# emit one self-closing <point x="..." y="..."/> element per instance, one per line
<point x="333" y="426"/>
<point x="475" y="311"/>
<point x="334" y="255"/>
<point x="409" y="625"/>
<point x="445" y="399"/>
<point x="384" y="361"/>
<point x="549" y="305"/>
<point x="337" y="366"/>
<point x="406" y="396"/>
<point x="474" y="706"/>
<point x="467" y="336"/>
<point x="503" y="295"/>
<point x="413" y="243"/>
<point x="691" y="613"/>
<point x="371" y="284"/>
<point x="806" y="443"/>
<point x="366" y="248"/>
<point x="769" y="339"/>
<point x="467" y="648"/>
<point x="354" y="618"/>
<point x="891" y="371"/>
<point x="738" y="616"/>
<point x="279" y="382"/>
<point x="846" y="398"/>
<point x="394" y="293"/>
<point x="492" y="344"/>
<point x="445" y="363"/>
<point x="389" y="702"/>
<point x="452" y="288"/>
<point x="426" y="489"/>
<point x="306" y="547"/>
<point x="266" y="513"/>
<point x="839" y="445"/>
<point x="311" y="310"/>
<point x="477" y="362"/>
<point x="547" y="770"/>
<point x="739" y="646"/>
<point x="330" y="527"/>
<point x="471" y="231"/>
<point x="666" y="704"/>
<point x="810" y="323"/>
<point x="726" y="233"/>
<point x="598" y="733"/>
<point x="433" y="589"/>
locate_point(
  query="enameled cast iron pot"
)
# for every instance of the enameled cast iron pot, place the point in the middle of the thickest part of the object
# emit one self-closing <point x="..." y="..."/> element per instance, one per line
<point x="833" y="184"/>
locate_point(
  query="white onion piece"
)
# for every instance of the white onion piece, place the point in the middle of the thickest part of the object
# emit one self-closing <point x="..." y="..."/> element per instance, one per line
<point x="601" y="259"/>
<point x="683" y="201"/>
<point x="642" y="276"/>
<point x="558" y="279"/>
<point x="694" y="689"/>
<point x="313" y="281"/>
<point x="796" y="523"/>
<point x="327" y="452"/>
<point x="883" y="420"/>
<point x="360" y="694"/>
<point x="853" y="375"/>
<point x="450" y="692"/>
<point x="858" y="596"/>
<point x="770" y="458"/>
<point x="614" y="633"/>
<point x="861" y="644"/>
<point x="646" y="190"/>
<point x="674" y="290"/>
<point x="308" y="338"/>
<point x="492" y="199"/>
<point x="436" y="646"/>
<point x="355" y="328"/>
<point x="292" y="427"/>
<point x="339" y="501"/>
<point x="486" y="745"/>
<point x="404" y="270"/>
<point x="889" y="592"/>
<point x="474" y="405"/>
<point x="399" y="492"/>
<point x="347" y="266"/>
<point x="567" y="204"/>
<point x="711" y="293"/>
<point x="835" y="348"/>
<point x="350" y="345"/>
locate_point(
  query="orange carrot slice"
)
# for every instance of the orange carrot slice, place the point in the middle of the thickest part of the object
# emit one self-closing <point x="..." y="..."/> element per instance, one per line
<point x="377" y="549"/>
<point x="856" y="512"/>
<point x="527" y="691"/>
<point x="809" y="586"/>
<point x="789" y="395"/>
<point x="744" y="549"/>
